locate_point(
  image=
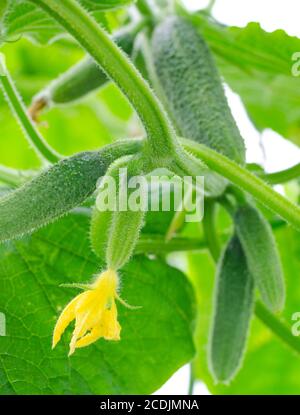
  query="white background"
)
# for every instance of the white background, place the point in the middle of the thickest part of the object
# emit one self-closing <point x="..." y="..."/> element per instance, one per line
<point x="272" y="15"/>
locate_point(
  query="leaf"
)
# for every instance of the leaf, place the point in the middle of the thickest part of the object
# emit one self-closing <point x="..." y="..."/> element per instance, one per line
<point x="258" y="242"/>
<point x="52" y="193"/>
<point x="23" y="18"/>
<point x="155" y="340"/>
<point x="270" y="367"/>
<point x="258" y="66"/>
<point x="93" y="5"/>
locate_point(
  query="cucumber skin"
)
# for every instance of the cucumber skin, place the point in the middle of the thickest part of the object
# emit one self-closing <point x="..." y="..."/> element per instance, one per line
<point x="257" y="239"/>
<point x="193" y="88"/>
<point x="155" y="223"/>
<point x="77" y="82"/>
<point x="55" y="191"/>
<point x="233" y="308"/>
<point x="82" y="78"/>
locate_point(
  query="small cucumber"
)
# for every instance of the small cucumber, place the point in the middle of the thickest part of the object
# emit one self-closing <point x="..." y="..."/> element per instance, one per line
<point x="156" y="222"/>
<point x="233" y="307"/>
<point x="56" y="190"/>
<point x="193" y="89"/>
<point x="105" y="5"/>
<point x="123" y="236"/>
<point x="123" y="226"/>
<point x="263" y="259"/>
<point x="81" y="79"/>
<point x="99" y="231"/>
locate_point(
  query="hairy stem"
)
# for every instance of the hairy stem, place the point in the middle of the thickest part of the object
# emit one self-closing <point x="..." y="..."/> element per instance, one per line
<point x="210" y="231"/>
<point x="274" y="323"/>
<point x="44" y="151"/>
<point x="247" y="181"/>
<point x="156" y="244"/>
<point x="117" y="66"/>
<point x="277" y="326"/>
<point x="283" y="176"/>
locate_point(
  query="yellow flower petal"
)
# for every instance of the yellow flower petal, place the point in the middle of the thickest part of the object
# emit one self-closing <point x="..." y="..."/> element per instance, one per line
<point x="65" y="318"/>
<point x="95" y="313"/>
<point x="111" y="326"/>
<point x="90" y="338"/>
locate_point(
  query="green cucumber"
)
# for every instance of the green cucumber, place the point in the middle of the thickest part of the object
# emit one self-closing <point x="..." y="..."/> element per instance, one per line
<point x="56" y="190"/>
<point x="193" y="90"/>
<point x="257" y="239"/>
<point x="123" y="236"/>
<point x="122" y="227"/>
<point x="99" y="230"/>
<point x="82" y="78"/>
<point x="233" y="308"/>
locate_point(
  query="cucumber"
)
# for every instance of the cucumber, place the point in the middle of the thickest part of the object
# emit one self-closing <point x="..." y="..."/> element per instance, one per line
<point x="193" y="90"/>
<point x="233" y="308"/>
<point x="257" y="239"/>
<point x="82" y="78"/>
<point x="156" y="222"/>
<point x="56" y="190"/>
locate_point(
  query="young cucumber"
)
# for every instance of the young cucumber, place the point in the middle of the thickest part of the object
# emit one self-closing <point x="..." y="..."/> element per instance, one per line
<point x="263" y="259"/>
<point x="55" y="191"/>
<point x="233" y="306"/>
<point x="115" y="233"/>
<point x="81" y="79"/>
<point x="157" y="221"/>
<point x="193" y="89"/>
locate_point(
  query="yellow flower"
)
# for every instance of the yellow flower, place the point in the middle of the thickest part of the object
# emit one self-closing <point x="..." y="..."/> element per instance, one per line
<point x="94" y="311"/>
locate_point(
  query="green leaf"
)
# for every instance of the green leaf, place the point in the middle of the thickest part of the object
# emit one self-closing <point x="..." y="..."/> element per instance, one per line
<point x="258" y="66"/>
<point x="270" y="367"/>
<point x="155" y="340"/>
<point x="23" y="18"/>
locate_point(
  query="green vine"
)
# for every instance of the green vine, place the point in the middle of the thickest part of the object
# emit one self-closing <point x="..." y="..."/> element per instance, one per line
<point x="44" y="151"/>
<point x="283" y="176"/>
<point x="10" y="177"/>
<point x="277" y="326"/>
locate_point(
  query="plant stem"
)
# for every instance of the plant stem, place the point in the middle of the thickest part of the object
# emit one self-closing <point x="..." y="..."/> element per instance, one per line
<point x="156" y="244"/>
<point x="247" y="181"/>
<point x="74" y="18"/>
<point x="44" y="151"/>
<point x="146" y="10"/>
<point x="283" y="176"/>
<point x="191" y="381"/>
<point x="278" y="327"/>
